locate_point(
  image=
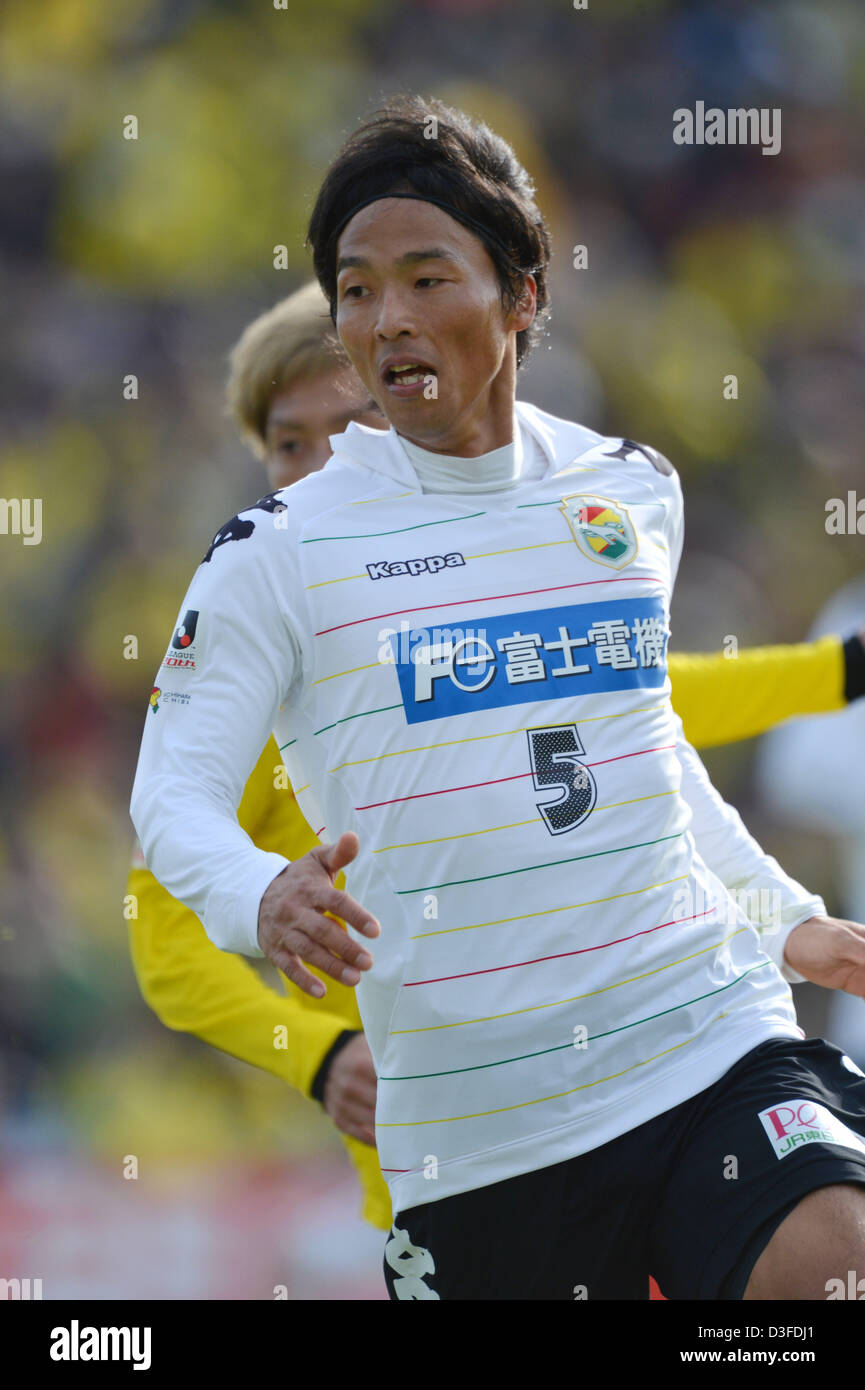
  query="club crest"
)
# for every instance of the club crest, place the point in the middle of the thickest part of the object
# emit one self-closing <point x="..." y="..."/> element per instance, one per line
<point x="602" y="529"/>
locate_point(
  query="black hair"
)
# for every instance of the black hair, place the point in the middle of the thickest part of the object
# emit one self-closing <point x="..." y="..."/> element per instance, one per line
<point x="418" y="144"/>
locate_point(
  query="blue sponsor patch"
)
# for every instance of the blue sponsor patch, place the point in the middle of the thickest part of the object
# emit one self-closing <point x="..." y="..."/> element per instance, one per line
<point x="514" y="658"/>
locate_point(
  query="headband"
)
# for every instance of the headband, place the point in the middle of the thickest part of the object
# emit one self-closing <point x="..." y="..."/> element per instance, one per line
<point x="452" y="211"/>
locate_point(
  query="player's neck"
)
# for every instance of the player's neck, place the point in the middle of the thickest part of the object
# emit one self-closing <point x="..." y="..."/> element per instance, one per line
<point x="495" y="471"/>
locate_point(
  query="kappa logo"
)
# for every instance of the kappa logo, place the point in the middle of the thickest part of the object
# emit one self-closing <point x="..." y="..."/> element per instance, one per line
<point x="411" y="1264"/>
<point x="239" y="529"/>
<point x="602" y="529"/>
<point x="659" y="462"/>
<point x="431" y="564"/>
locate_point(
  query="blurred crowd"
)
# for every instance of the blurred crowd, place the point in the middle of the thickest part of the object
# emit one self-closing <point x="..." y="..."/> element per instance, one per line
<point x="131" y="265"/>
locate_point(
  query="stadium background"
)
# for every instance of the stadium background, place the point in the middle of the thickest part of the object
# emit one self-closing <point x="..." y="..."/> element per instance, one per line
<point x="149" y="256"/>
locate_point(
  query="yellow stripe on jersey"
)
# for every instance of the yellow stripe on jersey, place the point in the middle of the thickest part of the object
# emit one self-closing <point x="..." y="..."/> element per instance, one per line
<point x="548" y="911"/>
<point x="574" y="998"/>
<point x="540" y="1100"/>
<point x="479" y="738"/>
<point x="515" y="825"/>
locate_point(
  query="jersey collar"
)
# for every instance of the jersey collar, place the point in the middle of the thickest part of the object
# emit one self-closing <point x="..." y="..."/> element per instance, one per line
<point x="562" y="441"/>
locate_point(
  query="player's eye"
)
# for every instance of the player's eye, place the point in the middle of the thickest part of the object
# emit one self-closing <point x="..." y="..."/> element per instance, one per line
<point x="428" y="280"/>
<point x="289" y="446"/>
<point x="354" y="291"/>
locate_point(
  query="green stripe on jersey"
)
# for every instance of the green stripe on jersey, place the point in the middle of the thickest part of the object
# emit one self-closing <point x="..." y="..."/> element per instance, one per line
<point x="371" y="535"/>
<point x="563" y="1047"/>
<point x="553" y="864"/>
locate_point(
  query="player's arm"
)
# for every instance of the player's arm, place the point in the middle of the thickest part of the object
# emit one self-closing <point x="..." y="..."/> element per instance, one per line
<point x="200" y="746"/>
<point x="721" y="699"/>
<point x="798" y="936"/>
<point x="776" y="902"/>
<point x="810" y="771"/>
<point x="794" y="929"/>
<point x="195" y="988"/>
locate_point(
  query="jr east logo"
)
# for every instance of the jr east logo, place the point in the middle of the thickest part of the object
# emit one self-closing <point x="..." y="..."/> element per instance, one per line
<point x="792" y="1124"/>
<point x="514" y="658"/>
<point x="602" y="529"/>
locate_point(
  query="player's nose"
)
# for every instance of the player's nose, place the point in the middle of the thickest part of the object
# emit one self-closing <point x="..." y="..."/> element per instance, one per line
<point x="394" y="315"/>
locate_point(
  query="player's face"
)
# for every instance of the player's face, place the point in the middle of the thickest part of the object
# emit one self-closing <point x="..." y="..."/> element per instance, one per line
<point x="301" y="417"/>
<point x="416" y="287"/>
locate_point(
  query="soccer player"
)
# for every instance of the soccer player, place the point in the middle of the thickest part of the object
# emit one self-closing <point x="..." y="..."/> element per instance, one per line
<point x="290" y="387"/>
<point x="458" y="630"/>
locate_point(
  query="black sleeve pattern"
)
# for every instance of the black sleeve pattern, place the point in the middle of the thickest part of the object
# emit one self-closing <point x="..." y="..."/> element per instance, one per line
<point x="318" y="1085"/>
<point x="854" y="668"/>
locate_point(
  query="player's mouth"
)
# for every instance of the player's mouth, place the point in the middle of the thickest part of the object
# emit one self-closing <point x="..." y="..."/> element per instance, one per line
<point x="406" y="376"/>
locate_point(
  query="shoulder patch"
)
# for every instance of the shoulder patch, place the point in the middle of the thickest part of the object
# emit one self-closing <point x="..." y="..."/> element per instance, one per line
<point x="656" y="459"/>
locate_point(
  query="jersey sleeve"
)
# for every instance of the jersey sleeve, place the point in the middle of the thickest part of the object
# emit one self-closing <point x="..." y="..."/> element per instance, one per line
<point x="195" y="988"/>
<point x="810" y="771"/>
<point x="721" y="699"/>
<point x="675" y="522"/>
<point x="208" y="721"/>
<point x="728" y="849"/>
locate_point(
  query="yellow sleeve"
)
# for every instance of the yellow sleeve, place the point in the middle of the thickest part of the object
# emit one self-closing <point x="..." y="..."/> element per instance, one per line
<point x="722" y="699"/>
<point x="376" y="1208"/>
<point x="196" y="988"/>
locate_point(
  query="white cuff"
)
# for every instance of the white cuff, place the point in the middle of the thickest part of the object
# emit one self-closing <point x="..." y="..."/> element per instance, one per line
<point x="774" y="939"/>
<point x="243" y="934"/>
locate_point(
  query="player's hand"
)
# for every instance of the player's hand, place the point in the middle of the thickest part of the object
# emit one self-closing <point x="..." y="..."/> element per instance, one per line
<point x="829" y="951"/>
<point x="349" y="1091"/>
<point x="292" y="926"/>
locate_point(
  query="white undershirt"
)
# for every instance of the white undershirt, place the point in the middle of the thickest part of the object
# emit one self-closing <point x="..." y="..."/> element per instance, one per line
<point x="493" y="472"/>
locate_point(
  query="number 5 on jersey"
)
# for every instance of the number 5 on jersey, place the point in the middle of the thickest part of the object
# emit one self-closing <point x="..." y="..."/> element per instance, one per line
<point x="554" y="754"/>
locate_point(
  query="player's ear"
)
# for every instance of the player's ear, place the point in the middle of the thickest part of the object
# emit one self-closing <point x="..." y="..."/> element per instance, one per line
<point x="525" y="308"/>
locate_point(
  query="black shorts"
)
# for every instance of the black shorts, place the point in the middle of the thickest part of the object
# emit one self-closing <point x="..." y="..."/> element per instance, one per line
<point x="691" y="1197"/>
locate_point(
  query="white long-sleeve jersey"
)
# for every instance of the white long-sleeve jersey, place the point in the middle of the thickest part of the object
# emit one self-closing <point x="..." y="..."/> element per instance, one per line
<point x="477" y="686"/>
